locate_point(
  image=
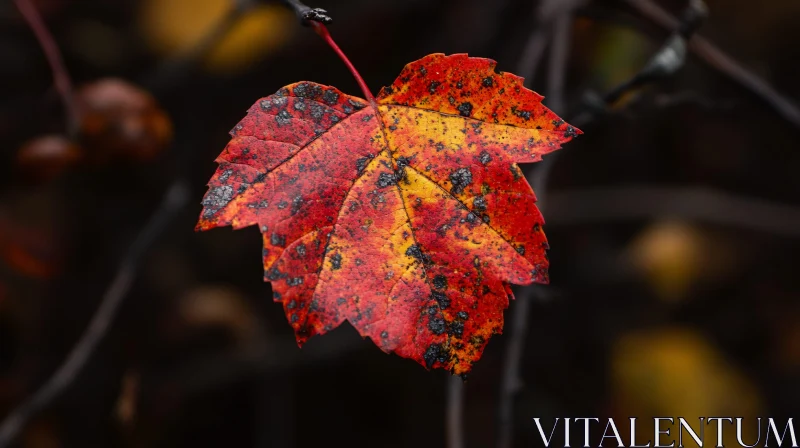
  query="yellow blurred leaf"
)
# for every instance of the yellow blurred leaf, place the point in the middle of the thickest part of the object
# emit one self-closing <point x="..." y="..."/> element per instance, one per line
<point x="172" y="27"/>
<point x="260" y="32"/>
<point x="670" y="255"/>
<point x="677" y="372"/>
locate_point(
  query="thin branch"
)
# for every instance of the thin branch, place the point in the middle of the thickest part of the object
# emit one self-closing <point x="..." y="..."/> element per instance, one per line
<point x="559" y="53"/>
<point x="717" y="59"/>
<point x="511" y="382"/>
<point x="454" y="414"/>
<point x="61" y="77"/>
<point x="174" y="199"/>
<point x="616" y="204"/>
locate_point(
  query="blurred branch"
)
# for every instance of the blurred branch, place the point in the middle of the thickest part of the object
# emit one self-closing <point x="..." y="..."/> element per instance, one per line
<point x="510" y="382"/>
<point x="174" y="199"/>
<point x="615" y="204"/>
<point x="271" y="357"/>
<point x="716" y="58"/>
<point x="455" y="412"/>
<point x="61" y="77"/>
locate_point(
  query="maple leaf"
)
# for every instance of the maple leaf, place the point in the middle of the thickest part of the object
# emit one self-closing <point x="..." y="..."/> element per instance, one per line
<point x="406" y="214"/>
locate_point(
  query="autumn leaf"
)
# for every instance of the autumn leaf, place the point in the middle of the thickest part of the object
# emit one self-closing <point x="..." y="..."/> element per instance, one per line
<point x="406" y="215"/>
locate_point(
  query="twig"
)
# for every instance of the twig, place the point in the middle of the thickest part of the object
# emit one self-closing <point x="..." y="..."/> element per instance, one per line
<point x="61" y="77"/>
<point x="175" y="198"/>
<point x="691" y="203"/>
<point x="716" y="58"/>
<point x="670" y="58"/>
<point x="454" y="413"/>
<point x="306" y="14"/>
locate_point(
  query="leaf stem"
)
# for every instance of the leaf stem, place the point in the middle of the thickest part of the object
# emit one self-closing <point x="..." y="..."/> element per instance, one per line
<point x="322" y="30"/>
<point x="53" y="55"/>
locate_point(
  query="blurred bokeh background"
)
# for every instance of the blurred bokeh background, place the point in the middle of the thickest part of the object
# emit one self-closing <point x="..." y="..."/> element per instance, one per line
<point x="673" y="224"/>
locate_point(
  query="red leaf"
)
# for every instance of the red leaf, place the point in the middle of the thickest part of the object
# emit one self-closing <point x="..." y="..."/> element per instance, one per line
<point x="409" y="218"/>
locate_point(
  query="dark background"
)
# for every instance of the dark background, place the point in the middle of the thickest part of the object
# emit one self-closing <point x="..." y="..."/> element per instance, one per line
<point x="673" y="224"/>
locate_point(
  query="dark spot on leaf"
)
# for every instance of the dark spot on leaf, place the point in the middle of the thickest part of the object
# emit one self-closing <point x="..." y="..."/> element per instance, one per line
<point x="434" y="353"/>
<point x="277" y="240"/>
<point x="336" y="261"/>
<point x="330" y="97"/>
<point x="361" y="164"/>
<point x="436" y="325"/>
<point x="524" y="114"/>
<point x="570" y="132"/>
<point x="356" y="104"/>
<point x="291" y="305"/>
<point x="295" y="281"/>
<point x="384" y="334"/>
<point x="460" y="179"/>
<point x="465" y="109"/>
<point x="484" y="157"/>
<point x="456" y="328"/>
<point x="216" y="199"/>
<point x="432" y="87"/>
<point x="274" y="274"/>
<point x="282" y="205"/>
<point x="440" y="282"/>
<point x="301" y="250"/>
<point x="297" y="202"/>
<point x="487" y="81"/>
<point x="414" y="251"/>
<point x="521" y="250"/>
<point x="441" y="299"/>
<point x="462" y="315"/>
<point x="283" y="117"/>
<point x="308" y="90"/>
<point x="385" y="179"/>
<point x="479" y="203"/>
<point x="317" y="112"/>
